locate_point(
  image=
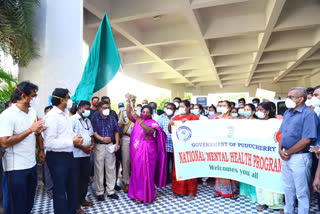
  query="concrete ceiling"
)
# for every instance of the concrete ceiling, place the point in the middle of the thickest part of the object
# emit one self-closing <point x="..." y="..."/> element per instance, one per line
<point x="214" y="42"/>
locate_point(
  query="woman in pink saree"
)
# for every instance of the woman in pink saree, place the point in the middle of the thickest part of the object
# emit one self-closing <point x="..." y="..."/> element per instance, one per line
<point x="148" y="156"/>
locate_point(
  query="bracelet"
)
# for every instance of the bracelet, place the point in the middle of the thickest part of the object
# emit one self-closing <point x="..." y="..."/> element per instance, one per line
<point x="41" y="149"/>
<point x="30" y="130"/>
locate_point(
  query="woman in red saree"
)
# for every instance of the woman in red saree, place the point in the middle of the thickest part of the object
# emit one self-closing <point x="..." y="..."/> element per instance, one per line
<point x="186" y="187"/>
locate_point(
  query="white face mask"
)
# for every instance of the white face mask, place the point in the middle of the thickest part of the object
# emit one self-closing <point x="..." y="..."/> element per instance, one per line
<point x="224" y="110"/>
<point x="182" y="110"/>
<point x="121" y="109"/>
<point x="34" y="102"/>
<point x="165" y="110"/>
<point x="211" y="113"/>
<point x="255" y="105"/>
<point x="241" y="111"/>
<point x="106" y="112"/>
<point x="315" y="102"/>
<point x="317" y="111"/>
<point x="176" y="104"/>
<point x="169" y="112"/>
<point x="260" y="114"/>
<point x="196" y="112"/>
<point x="69" y="104"/>
<point x="309" y="102"/>
<point x="138" y="111"/>
<point x="219" y="109"/>
<point x="86" y="113"/>
<point x="290" y="104"/>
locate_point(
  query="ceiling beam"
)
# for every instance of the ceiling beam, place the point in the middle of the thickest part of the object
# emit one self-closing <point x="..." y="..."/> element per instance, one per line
<point x="302" y="55"/>
<point x="191" y="16"/>
<point x="135" y="37"/>
<point x="273" y="12"/>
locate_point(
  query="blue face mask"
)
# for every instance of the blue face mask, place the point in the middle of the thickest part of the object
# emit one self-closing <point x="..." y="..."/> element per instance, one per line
<point x="219" y="109"/>
<point x="247" y="114"/>
<point x="153" y="111"/>
<point x="195" y="111"/>
<point x="241" y="111"/>
<point x="234" y="114"/>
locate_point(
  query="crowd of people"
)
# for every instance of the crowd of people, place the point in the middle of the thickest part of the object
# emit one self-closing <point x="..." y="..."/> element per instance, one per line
<point x="92" y="143"/>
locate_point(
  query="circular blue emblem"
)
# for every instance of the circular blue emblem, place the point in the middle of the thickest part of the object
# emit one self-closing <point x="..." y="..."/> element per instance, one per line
<point x="184" y="133"/>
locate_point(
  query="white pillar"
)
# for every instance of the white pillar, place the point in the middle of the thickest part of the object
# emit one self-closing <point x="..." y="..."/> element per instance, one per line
<point x="58" y="32"/>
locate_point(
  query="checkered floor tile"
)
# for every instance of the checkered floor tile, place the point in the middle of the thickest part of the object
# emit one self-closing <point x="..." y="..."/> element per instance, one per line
<point x="203" y="203"/>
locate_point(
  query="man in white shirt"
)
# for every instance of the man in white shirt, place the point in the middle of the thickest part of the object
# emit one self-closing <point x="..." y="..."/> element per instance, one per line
<point x="155" y="116"/>
<point x="82" y="126"/>
<point x="19" y="131"/>
<point x="59" y="141"/>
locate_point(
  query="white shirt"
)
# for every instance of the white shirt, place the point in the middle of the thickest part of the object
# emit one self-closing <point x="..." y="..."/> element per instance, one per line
<point x="84" y="128"/>
<point x="203" y="117"/>
<point x="155" y="117"/>
<point x="20" y="156"/>
<point x="59" y="135"/>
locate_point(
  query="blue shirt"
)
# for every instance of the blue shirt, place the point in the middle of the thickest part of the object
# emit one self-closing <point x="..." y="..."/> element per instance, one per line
<point x="303" y="123"/>
<point x="318" y="140"/>
<point x="105" y="127"/>
<point x="164" y="122"/>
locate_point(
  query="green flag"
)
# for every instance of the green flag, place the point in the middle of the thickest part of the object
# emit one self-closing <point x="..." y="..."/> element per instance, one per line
<point x="102" y="65"/>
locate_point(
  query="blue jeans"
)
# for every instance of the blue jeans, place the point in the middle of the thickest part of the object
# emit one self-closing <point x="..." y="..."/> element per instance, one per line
<point x="296" y="179"/>
<point x="22" y="186"/>
<point x="62" y="167"/>
<point x="5" y="193"/>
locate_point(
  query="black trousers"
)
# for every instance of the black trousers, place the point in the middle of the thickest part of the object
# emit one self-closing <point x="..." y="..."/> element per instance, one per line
<point x="169" y="166"/>
<point x="83" y="174"/>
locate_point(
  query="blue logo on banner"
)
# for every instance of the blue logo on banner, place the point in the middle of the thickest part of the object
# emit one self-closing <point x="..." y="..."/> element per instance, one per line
<point x="184" y="133"/>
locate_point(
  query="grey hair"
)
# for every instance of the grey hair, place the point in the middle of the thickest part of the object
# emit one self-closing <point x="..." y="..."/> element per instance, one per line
<point x="302" y="92"/>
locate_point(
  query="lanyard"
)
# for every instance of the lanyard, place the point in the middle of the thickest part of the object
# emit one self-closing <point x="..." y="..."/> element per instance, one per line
<point x="86" y="124"/>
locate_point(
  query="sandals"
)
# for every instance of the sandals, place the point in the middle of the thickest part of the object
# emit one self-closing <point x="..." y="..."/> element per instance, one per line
<point x="138" y="201"/>
<point x="234" y="197"/>
<point x="216" y="195"/>
<point x="174" y="195"/>
<point x="190" y="197"/>
<point x="260" y="208"/>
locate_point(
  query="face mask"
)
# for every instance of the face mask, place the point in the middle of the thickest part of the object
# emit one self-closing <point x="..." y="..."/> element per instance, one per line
<point x="121" y="109"/>
<point x="34" y="102"/>
<point x="211" y="113"/>
<point x="247" y="114"/>
<point x="176" y="104"/>
<point x="290" y="104"/>
<point x="219" y="109"/>
<point x="195" y="112"/>
<point x="154" y="111"/>
<point x="224" y="110"/>
<point x="234" y="114"/>
<point x="169" y="112"/>
<point x="309" y="103"/>
<point x="255" y="105"/>
<point x="69" y="104"/>
<point x="182" y="110"/>
<point x="145" y="116"/>
<point x="86" y="113"/>
<point x="165" y="110"/>
<point x="241" y="111"/>
<point x="315" y="102"/>
<point x="317" y="111"/>
<point x="106" y="112"/>
<point x="260" y="114"/>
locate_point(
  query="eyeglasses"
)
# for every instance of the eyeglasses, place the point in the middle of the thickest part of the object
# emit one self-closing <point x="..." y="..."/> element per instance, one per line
<point x="290" y="97"/>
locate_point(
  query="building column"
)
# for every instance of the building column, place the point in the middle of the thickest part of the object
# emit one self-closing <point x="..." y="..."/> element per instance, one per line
<point x="58" y="33"/>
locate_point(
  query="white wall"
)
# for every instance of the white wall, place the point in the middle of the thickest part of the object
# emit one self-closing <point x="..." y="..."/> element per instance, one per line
<point x="58" y="32"/>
